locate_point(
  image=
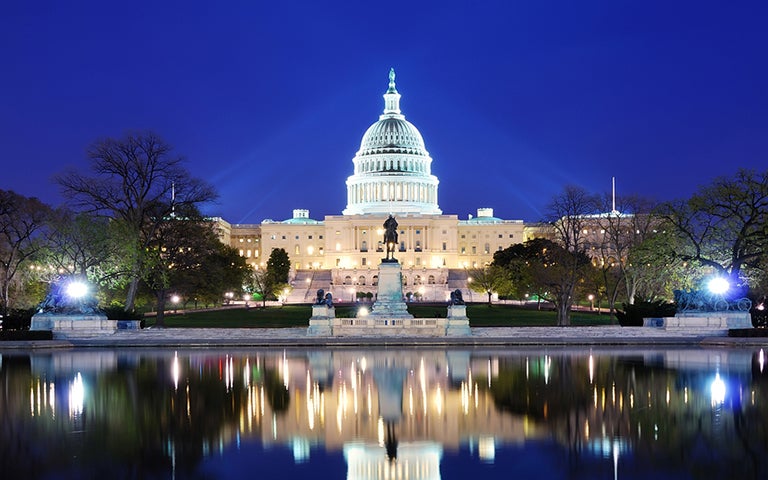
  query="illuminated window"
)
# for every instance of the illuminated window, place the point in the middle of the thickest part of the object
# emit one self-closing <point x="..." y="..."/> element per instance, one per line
<point x="296" y="250"/>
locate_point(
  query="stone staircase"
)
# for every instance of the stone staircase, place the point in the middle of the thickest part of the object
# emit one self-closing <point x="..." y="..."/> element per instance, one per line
<point x="458" y="279"/>
<point x="306" y="283"/>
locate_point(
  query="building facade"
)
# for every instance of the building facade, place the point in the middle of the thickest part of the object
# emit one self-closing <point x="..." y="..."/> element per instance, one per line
<point x="391" y="175"/>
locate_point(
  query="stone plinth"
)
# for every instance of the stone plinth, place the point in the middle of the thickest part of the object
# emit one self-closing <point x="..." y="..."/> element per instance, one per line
<point x="389" y="314"/>
<point x="321" y="321"/>
<point x="63" y="325"/>
<point x="458" y="322"/>
<point x="711" y="322"/>
<point x="389" y="301"/>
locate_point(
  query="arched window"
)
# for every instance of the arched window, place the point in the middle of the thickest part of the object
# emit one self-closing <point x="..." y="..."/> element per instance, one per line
<point x="417" y="280"/>
<point x="347" y="280"/>
<point x="361" y="280"/>
<point x="431" y="280"/>
<point x="364" y="246"/>
<point x="405" y="280"/>
<point x="375" y="280"/>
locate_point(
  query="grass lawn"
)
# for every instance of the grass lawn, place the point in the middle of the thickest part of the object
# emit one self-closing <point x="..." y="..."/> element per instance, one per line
<point x="480" y="315"/>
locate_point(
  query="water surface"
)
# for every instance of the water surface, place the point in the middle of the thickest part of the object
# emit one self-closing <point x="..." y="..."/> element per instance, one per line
<point x="384" y="414"/>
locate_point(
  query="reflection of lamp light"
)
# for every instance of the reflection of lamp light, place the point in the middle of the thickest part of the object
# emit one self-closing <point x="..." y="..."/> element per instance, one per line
<point x="76" y="396"/>
<point x="362" y="312"/>
<point x="717" y="390"/>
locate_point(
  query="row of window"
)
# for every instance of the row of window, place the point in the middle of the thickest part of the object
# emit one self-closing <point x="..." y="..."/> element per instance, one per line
<point x="361" y="280"/>
<point x="501" y="235"/>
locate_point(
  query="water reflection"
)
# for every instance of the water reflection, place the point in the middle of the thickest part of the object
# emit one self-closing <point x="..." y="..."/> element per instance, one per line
<point x="361" y="414"/>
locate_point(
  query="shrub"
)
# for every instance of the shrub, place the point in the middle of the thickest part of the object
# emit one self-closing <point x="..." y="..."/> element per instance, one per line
<point x="119" y="313"/>
<point x="633" y="314"/>
<point x="18" y="319"/>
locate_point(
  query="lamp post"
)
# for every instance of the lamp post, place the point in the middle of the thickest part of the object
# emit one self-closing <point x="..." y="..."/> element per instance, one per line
<point x="591" y="302"/>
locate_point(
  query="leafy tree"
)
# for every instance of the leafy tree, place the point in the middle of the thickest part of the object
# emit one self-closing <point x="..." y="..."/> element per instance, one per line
<point x="724" y="226"/>
<point x="224" y="271"/>
<point x="552" y="270"/>
<point x="279" y="266"/>
<point x="23" y="221"/>
<point x="88" y="246"/>
<point x="571" y="215"/>
<point x="490" y="279"/>
<point x="262" y="285"/>
<point x="621" y="231"/>
<point x="138" y="181"/>
<point x="274" y="278"/>
<point x="178" y="259"/>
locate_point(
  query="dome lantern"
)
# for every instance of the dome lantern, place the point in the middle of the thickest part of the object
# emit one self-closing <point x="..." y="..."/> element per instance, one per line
<point x="392" y="168"/>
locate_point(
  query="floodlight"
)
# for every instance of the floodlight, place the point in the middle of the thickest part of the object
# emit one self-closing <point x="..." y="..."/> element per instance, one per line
<point x="76" y="289"/>
<point x="718" y="285"/>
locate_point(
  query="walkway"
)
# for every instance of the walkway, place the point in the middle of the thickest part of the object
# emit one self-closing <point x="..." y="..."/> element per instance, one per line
<point x="492" y="337"/>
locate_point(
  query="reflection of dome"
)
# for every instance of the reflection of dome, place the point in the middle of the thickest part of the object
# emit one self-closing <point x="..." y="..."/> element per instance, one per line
<point x="415" y="460"/>
<point x="392" y="168"/>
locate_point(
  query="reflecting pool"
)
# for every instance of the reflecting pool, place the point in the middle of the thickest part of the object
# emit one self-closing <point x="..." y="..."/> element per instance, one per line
<point x="384" y="413"/>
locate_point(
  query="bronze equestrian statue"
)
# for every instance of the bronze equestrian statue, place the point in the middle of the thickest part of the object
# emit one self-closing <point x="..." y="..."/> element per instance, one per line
<point x="390" y="238"/>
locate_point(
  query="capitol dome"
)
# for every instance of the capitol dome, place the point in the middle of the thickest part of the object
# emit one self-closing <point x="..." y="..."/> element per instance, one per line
<point x="392" y="168"/>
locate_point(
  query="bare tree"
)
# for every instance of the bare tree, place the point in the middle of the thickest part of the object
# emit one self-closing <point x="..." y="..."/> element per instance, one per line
<point x="22" y="221"/>
<point x="572" y="216"/>
<point x="620" y="232"/>
<point x="136" y="180"/>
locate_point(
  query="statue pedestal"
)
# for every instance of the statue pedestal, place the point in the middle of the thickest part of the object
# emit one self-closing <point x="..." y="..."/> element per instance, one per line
<point x="707" y="322"/>
<point x="73" y="325"/>
<point x="389" y="301"/>
<point x="458" y="322"/>
<point x="321" y="321"/>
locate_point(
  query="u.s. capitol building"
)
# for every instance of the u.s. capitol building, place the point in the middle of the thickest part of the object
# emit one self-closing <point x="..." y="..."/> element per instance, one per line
<point x="341" y="253"/>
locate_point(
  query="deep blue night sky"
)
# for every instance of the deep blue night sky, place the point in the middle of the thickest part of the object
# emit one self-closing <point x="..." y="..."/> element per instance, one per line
<point x="269" y="100"/>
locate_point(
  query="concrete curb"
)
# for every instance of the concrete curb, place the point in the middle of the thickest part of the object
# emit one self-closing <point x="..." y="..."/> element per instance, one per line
<point x="481" y="337"/>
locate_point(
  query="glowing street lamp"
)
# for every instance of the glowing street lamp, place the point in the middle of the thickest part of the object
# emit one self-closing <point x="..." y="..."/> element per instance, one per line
<point x="591" y="301"/>
<point x="76" y="290"/>
<point x="175" y="299"/>
<point x="718" y="285"/>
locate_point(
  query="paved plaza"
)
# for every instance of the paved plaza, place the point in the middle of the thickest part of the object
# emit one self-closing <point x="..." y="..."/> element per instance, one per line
<point x="491" y="336"/>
